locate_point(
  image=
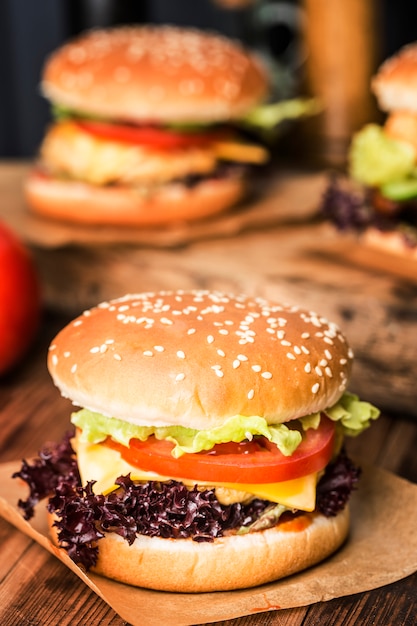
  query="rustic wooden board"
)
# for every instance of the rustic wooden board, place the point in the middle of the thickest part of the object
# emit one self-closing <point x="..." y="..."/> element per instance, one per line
<point x="274" y="248"/>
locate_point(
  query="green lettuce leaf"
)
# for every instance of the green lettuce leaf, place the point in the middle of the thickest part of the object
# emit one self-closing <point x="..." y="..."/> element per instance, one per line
<point x="376" y="159"/>
<point x="353" y="414"/>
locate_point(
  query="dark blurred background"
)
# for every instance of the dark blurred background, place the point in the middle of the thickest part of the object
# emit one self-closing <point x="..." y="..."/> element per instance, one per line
<point x="29" y="31"/>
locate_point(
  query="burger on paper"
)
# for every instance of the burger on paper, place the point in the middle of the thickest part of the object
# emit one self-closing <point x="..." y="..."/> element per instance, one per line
<point x="208" y="451"/>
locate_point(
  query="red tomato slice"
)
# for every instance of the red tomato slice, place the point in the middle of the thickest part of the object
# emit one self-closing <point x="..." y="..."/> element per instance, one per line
<point x="256" y="461"/>
<point x="148" y="135"/>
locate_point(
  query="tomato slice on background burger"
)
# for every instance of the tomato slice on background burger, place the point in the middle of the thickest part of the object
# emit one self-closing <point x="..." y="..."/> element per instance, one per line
<point x="161" y="138"/>
<point x="256" y="461"/>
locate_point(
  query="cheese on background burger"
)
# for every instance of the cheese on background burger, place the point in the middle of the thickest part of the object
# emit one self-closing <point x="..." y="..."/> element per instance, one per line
<point x="209" y="442"/>
<point x="383" y="160"/>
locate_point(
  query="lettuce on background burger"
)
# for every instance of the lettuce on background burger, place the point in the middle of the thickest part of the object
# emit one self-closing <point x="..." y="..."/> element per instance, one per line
<point x="149" y="126"/>
<point x="383" y="163"/>
<point x="208" y="453"/>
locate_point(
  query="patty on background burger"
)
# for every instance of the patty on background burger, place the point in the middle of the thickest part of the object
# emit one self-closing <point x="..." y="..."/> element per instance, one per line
<point x="208" y="453"/>
<point x="149" y="126"/>
<point x="383" y="164"/>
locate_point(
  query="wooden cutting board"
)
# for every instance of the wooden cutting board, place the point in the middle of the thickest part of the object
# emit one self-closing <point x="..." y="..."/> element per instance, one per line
<point x="273" y="246"/>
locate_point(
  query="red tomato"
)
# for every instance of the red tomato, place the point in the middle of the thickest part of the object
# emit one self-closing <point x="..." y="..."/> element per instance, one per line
<point x="159" y="138"/>
<point x="19" y="299"/>
<point x="256" y="461"/>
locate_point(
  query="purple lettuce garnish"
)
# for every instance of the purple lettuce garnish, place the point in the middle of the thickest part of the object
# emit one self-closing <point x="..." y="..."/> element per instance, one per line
<point x="345" y="209"/>
<point x="56" y="463"/>
<point x="336" y="485"/>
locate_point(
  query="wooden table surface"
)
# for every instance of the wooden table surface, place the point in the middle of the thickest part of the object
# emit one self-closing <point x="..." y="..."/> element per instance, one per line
<point x="36" y="589"/>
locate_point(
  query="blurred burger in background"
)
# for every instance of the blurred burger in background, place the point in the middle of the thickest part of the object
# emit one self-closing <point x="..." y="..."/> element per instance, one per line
<point x="142" y="131"/>
<point x="153" y="125"/>
<point x="383" y="163"/>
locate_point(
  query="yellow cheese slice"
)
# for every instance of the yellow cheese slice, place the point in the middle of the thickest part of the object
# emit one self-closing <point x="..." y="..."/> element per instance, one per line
<point x="241" y="152"/>
<point x="103" y="465"/>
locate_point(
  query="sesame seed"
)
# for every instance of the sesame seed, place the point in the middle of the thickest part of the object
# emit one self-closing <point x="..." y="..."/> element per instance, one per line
<point x="236" y="363"/>
<point x="95" y="350"/>
<point x="328" y="354"/>
<point x="305" y="335"/>
<point x="220" y="353"/>
<point x="210" y="338"/>
<point x="290" y="356"/>
<point x="223" y="331"/>
<point x="117" y="356"/>
<point x="74" y="368"/>
<point x="54" y="359"/>
<point x="297" y="350"/>
<point x="266" y="375"/>
<point x="323" y="362"/>
<point x="315" y="387"/>
<point x="179" y="377"/>
<point x="191" y="331"/>
<point x="147" y="353"/>
<point x="305" y="350"/>
<point x="103" y="348"/>
<point x="165" y="320"/>
<point x="328" y="340"/>
<point x="180" y="354"/>
<point x="329" y="372"/>
<point x="307" y="368"/>
<point x="284" y="342"/>
<point x="219" y="373"/>
<point x="251" y="393"/>
<point x="318" y="371"/>
<point x="67" y="354"/>
<point x="242" y="357"/>
<point x="159" y="348"/>
<point x="343" y="361"/>
<point x="256" y="368"/>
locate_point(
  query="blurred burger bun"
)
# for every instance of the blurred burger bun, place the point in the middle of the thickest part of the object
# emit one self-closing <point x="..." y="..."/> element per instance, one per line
<point x="143" y="77"/>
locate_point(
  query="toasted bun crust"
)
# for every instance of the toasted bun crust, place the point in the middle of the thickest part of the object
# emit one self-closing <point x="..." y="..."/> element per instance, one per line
<point x="82" y="203"/>
<point x="197" y="358"/>
<point x="234" y="562"/>
<point x="155" y="73"/>
<point x="395" y="84"/>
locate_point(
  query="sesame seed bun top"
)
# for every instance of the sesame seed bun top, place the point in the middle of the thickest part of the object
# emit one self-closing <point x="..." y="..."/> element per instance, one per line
<point x="395" y="84"/>
<point x="155" y="73"/>
<point x="196" y="358"/>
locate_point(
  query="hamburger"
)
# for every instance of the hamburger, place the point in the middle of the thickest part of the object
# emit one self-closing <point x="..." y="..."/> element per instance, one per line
<point x="145" y="128"/>
<point x="208" y="451"/>
<point x="382" y="203"/>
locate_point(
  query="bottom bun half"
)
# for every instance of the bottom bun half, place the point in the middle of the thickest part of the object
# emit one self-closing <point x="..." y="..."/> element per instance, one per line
<point x="81" y="203"/>
<point x="227" y="563"/>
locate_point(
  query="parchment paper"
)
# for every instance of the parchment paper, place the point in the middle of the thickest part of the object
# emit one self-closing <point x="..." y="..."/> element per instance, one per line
<point x="372" y="557"/>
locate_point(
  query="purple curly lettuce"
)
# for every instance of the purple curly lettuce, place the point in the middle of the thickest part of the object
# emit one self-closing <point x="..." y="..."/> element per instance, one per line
<point x="346" y="210"/>
<point x="354" y="211"/>
<point x="56" y="462"/>
<point x="336" y="485"/>
<point x="156" y="509"/>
